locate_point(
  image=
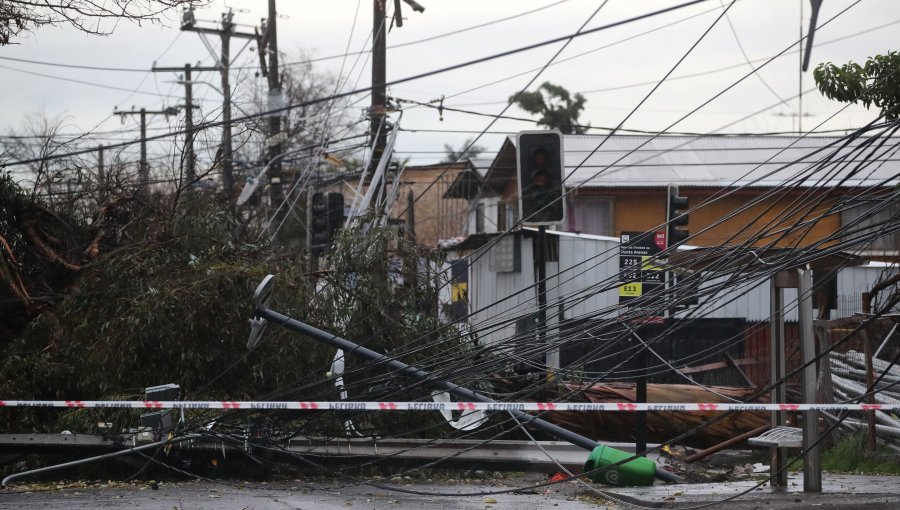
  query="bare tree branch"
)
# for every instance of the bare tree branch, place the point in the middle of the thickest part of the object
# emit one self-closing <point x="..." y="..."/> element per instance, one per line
<point x="98" y="17"/>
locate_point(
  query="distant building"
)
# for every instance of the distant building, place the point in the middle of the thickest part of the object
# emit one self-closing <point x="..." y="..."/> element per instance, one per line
<point x="763" y="183"/>
<point x="435" y="216"/>
<point x="619" y="184"/>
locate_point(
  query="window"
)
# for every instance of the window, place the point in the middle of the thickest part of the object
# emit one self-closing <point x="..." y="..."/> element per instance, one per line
<point x="592" y="215"/>
<point x="479" y="218"/>
<point x="507" y="215"/>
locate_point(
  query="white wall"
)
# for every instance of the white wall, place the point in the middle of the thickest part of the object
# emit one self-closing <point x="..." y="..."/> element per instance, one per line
<point x="586" y="266"/>
<point x="490" y="216"/>
<point x="488" y="288"/>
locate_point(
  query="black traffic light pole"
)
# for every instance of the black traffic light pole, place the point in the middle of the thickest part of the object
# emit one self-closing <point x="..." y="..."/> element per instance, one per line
<point x="542" y="290"/>
<point x="674" y="236"/>
<point x="640" y="396"/>
<point x="542" y="201"/>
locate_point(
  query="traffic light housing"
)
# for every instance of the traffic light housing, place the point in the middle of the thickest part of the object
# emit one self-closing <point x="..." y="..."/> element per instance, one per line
<point x="539" y="165"/>
<point x="327" y="217"/>
<point x="675" y="218"/>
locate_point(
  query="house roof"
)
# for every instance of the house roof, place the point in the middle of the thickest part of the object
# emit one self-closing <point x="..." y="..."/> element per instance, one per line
<point x="725" y="161"/>
<point x="474" y="180"/>
<point x="481" y="165"/>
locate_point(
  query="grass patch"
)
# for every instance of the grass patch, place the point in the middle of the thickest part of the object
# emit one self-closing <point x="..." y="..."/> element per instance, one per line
<point x="849" y="455"/>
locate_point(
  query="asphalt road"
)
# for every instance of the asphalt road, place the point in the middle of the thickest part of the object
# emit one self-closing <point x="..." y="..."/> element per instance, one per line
<point x="840" y="492"/>
<point x="294" y="496"/>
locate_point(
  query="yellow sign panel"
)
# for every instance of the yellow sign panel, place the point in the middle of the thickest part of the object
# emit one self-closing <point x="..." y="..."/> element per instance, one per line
<point x="459" y="292"/>
<point x="647" y="266"/>
<point x="631" y="290"/>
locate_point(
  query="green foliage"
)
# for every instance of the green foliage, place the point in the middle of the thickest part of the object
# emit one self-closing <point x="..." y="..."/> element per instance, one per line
<point x="849" y="455"/>
<point x="466" y="151"/>
<point x="378" y="290"/>
<point x="558" y="109"/>
<point x="158" y="311"/>
<point x="172" y="305"/>
<point x="875" y="83"/>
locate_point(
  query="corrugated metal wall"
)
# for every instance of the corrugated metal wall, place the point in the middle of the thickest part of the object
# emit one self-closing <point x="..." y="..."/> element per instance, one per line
<point x="496" y="299"/>
<point x="587" y="263"/>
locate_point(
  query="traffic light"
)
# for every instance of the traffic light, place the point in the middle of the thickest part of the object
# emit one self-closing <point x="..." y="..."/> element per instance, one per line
<point x="539" y="163"/>
<point x="327" y="217"/>
<point x="674" y="218"/>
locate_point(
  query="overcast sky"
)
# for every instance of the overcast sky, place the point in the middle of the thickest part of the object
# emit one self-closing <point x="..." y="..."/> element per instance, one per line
<point x="606" y="66"/>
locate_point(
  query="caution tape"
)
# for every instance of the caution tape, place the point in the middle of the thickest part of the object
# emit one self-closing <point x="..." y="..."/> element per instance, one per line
<point x="444" y="406"/>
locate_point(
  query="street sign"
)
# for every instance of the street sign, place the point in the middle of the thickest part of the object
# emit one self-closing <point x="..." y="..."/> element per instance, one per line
<point x="639" y="274"/>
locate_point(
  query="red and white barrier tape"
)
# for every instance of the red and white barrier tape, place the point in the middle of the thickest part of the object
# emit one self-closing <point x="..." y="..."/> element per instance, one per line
<point x="441" y="406"/>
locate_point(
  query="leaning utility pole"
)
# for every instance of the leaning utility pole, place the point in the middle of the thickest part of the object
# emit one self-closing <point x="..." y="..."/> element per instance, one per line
<point x="189" y="158"/>
<point x="144" y="170"/>
<point x="224" y="66"/>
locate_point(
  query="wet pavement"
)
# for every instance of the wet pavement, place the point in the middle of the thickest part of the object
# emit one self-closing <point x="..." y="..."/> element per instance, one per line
<point x="839" y="492"/>
<point x="297" y="496"/>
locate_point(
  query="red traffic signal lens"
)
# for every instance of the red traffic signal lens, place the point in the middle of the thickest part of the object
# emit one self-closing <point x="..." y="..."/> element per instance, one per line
<point x="540" y="157"/>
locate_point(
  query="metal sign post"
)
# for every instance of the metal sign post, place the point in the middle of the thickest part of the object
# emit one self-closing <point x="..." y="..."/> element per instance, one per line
<point x="639" y="276"/>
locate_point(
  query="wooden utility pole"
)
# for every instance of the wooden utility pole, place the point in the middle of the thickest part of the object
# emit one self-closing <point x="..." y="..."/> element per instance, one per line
<point x="226" y="32"/>
<point x="101" y="173"/>
<point x="268" y="63"/>
<point x="276" y="102"/>
<point x="224" y="61"/>
<point x="189" y="125"/>
<point x="377" y="130"/>
<point x="144" y="170"/>
<point x="189" y="157"/>
<point x="378" y="108"/>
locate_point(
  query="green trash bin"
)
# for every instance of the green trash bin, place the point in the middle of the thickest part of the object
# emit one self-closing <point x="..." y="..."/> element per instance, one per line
<point x="639" y="471"/>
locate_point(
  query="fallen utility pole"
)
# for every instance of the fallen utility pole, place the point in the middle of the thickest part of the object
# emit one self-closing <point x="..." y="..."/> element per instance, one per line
<point x="144" y="171"/>
<point x="617" y="467"/>
<point x="105" y="456"/>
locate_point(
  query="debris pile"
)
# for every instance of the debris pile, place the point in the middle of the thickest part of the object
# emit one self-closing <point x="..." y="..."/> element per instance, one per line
<point x="848" y="378"/>
<point x="661" y="426"/>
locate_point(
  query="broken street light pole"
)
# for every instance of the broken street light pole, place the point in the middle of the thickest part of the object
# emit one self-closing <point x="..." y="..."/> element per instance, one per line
<point x="601" y="455"/>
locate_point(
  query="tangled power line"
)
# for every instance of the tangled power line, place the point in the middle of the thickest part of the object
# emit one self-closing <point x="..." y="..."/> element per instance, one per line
<point x="787" y="213"/>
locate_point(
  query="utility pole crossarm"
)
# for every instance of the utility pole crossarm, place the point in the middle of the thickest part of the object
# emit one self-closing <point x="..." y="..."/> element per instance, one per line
<point x="172" y="110"/>
<point x="187" y="69"/>
<point x="144" y="172"/>
<point x="179" y="69"/>
<point x="225" y="32"/>
<point x="218" y="31"/>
